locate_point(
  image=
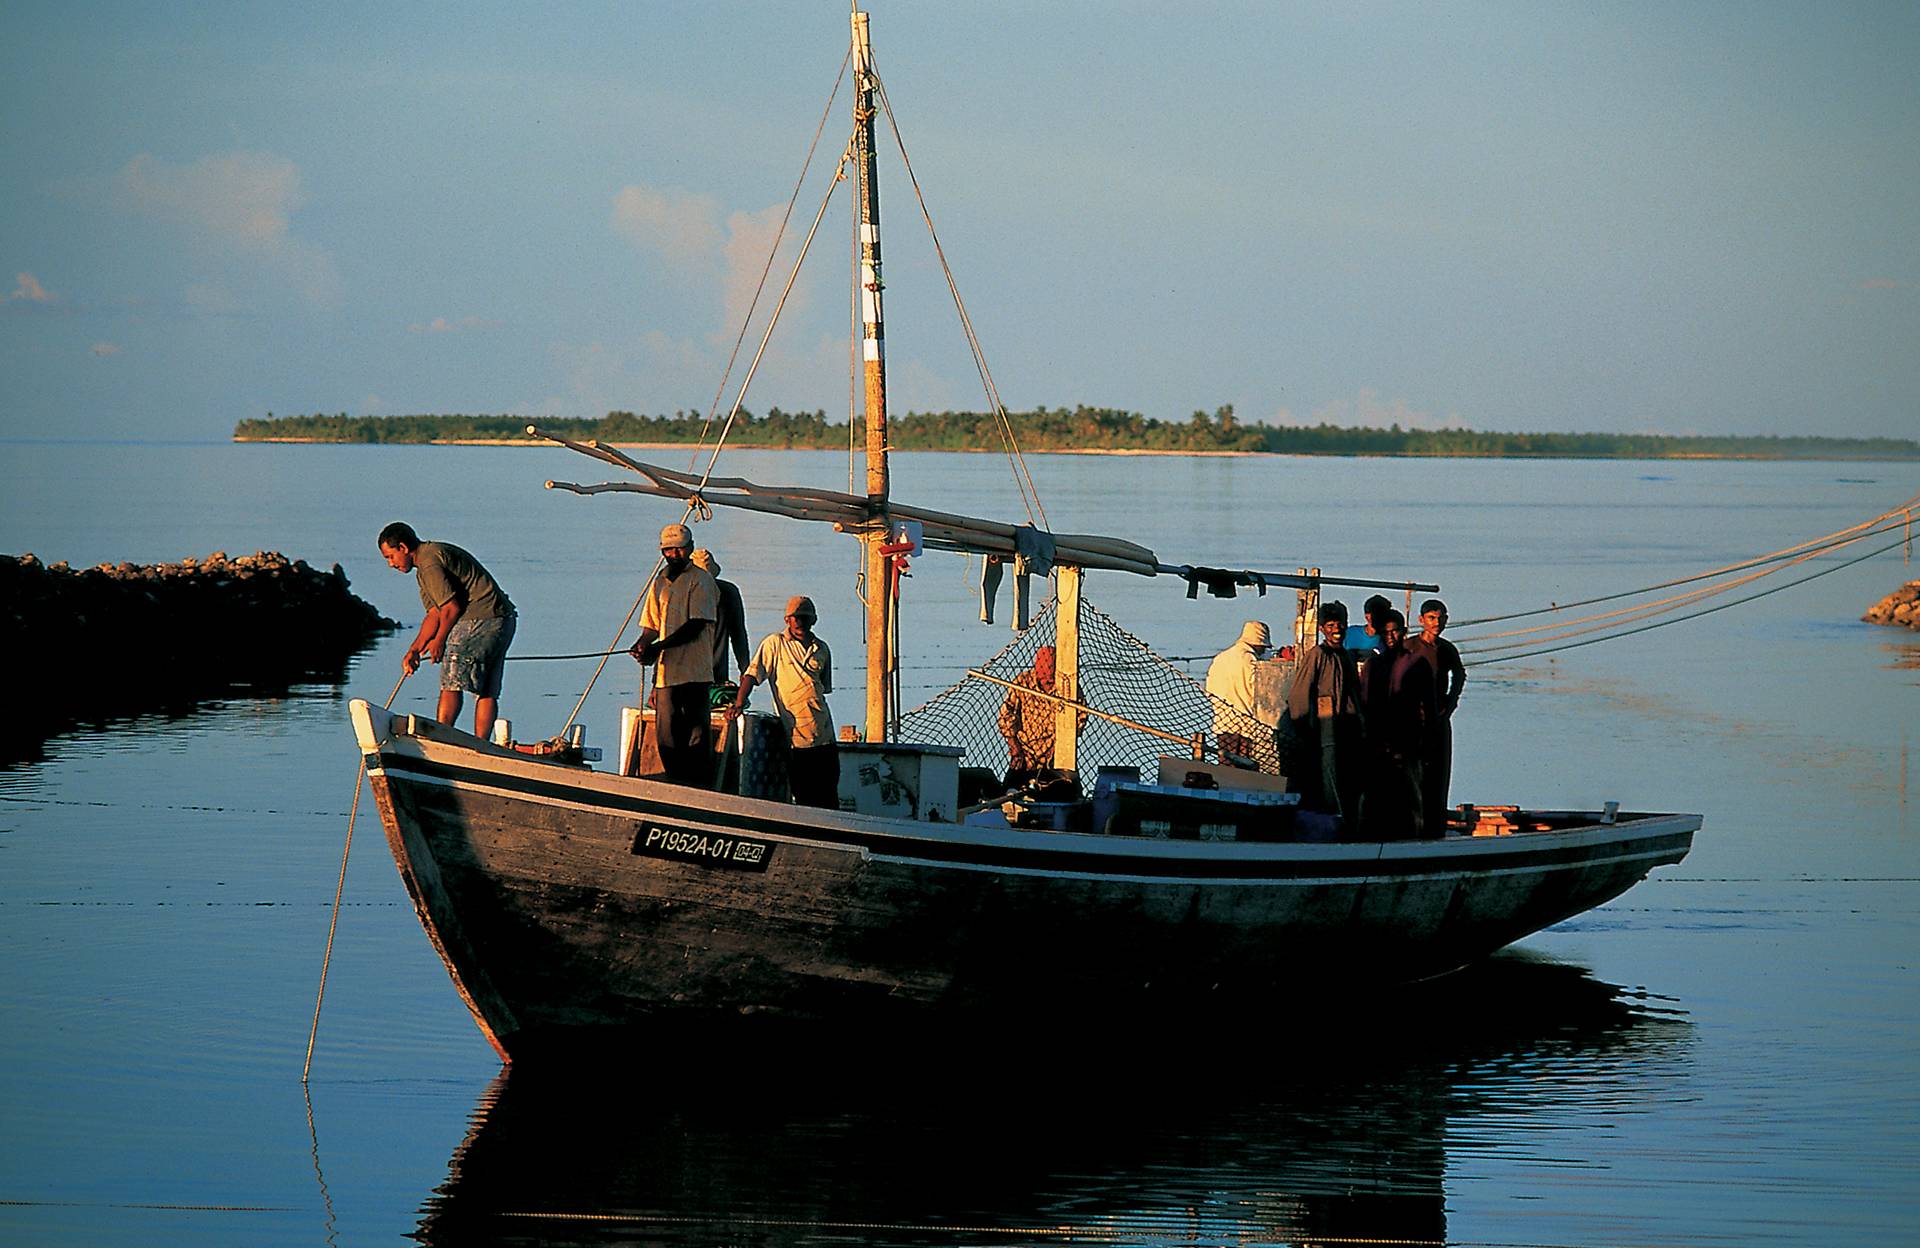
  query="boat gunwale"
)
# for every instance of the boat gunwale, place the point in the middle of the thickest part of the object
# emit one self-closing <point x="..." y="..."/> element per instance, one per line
<point x="1661" y="838"/>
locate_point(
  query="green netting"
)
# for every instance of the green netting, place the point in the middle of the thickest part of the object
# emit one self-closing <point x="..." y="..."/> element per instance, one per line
<point x="1119" y="675"/>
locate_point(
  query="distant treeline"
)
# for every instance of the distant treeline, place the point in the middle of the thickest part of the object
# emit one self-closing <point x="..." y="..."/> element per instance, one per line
<point x="1071" y="429"/>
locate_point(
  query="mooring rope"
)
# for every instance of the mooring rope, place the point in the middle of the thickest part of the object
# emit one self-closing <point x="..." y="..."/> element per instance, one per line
<point x="333" y="920"/>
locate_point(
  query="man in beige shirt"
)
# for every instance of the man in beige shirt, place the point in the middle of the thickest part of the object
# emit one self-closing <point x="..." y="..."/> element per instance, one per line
<point x="676" y="636"/>
<point x="798" y="667"/>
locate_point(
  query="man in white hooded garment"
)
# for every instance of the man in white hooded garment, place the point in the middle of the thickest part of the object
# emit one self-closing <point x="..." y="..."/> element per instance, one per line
<point x="1230" y="678"/>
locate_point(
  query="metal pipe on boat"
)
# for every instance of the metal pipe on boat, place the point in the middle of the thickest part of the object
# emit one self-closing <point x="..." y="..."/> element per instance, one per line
<point x="1294" y="580"/>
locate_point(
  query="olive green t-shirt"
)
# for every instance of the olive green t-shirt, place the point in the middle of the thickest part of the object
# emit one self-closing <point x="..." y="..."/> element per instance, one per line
<point x="446" y="573"/>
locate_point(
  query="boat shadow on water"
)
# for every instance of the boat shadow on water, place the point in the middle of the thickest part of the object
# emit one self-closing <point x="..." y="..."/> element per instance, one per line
<point x="1319" y="1121"/>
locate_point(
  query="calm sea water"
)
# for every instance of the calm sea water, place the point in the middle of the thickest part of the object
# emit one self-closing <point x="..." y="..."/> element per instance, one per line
<point x="1728" y="1054"/>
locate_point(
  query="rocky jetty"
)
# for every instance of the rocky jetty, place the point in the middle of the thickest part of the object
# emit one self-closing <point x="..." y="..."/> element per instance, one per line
<point x="118" y="639"/>
<point x="1900" y="608"/>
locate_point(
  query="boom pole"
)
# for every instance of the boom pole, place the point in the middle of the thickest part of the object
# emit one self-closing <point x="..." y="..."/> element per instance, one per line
<point x="882" y="655"/>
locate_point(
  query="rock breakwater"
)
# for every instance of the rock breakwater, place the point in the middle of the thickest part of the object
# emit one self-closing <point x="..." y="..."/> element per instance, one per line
<point x="119" y="639"/>
<point x="1901" y="608"/>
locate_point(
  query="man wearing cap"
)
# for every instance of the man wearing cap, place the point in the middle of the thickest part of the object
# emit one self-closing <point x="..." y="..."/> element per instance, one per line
<point x="730" y="629"/>
<point x="1323" y="717"/>
<point x="798" y="668"/>
<point x="1230" y="679"/>
<point x="469" y="623"/>
<point x="676" y="636"/>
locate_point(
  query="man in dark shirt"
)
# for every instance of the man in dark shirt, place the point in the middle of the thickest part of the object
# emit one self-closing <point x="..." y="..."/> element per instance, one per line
<point x="1323" y="722"/>
<point x="1449" y="677"/>
<point x="730" y="630"/>
<point x="469" y="624"/>
<point x="1397" y="703"/>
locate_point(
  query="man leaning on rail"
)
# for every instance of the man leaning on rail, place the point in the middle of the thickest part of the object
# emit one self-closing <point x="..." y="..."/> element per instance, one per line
<point x="469" y="624"/>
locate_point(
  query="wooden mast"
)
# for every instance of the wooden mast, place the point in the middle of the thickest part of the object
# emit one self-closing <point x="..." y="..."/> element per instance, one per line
<point x="882" y="660"/>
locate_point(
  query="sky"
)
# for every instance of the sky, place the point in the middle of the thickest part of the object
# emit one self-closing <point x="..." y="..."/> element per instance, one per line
<point x="1632" y="217"/>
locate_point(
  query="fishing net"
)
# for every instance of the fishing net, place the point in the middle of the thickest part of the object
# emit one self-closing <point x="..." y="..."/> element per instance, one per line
<point x="1120" y="675"/>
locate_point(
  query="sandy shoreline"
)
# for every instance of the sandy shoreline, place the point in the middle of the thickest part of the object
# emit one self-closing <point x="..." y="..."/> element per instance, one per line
<point x="1096" y="450"/>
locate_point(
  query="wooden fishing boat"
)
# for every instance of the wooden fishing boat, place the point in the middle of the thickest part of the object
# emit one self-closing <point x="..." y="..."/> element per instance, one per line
<point x="564" y="898"/>
<point x="1177" y="872"/>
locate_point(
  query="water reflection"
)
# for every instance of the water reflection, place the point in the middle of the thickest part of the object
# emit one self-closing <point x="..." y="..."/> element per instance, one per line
<point x="125" y="720"/>
<point x="1309" y="1127"/>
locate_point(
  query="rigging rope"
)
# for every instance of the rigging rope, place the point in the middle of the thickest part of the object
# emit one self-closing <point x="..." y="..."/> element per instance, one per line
<point x="839" y="175"/>
<point x="779" y="235"/>
<point x="1609" y="619"/>
<point x="1677" y="619"/>
<point x="697" y="506"/>
<point x="1023" y="476"/>
<point x="1865" y="528"/>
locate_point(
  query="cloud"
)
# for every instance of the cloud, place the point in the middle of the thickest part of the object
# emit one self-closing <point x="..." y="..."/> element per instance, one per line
<point x="238" y="204"/>
<point x="27" y="289"/>
<point x="682" y="227"/>
<point x="104" y="349"/>
<point x="688" y="231"/>
<point x="441" y="325"/>
<point x="212" y="300"/>
<point x="1367" y="410"/>
<point x="750" y="238"/>
<point x="248" y="197"/>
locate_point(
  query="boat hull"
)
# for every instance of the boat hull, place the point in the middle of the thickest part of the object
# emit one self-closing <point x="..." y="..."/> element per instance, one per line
<point x="563" y="899"/>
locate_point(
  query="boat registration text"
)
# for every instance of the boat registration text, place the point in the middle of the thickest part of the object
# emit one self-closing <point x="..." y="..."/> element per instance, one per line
<point x="706" y="848"/>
